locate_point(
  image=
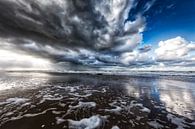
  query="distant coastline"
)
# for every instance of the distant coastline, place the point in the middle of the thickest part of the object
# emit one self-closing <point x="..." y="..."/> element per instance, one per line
<point x="112" y="73"/>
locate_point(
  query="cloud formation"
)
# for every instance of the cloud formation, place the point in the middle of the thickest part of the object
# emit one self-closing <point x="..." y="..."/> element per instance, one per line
<point x="94" y="33"/>
<point x="11" y="61"/>
<point x="176" y="51"/>
<point x="73" y="30"/>
<point x="96" y="25"/>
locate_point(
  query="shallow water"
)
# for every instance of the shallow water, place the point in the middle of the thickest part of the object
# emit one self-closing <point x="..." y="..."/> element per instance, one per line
<point x="79" y="101"/>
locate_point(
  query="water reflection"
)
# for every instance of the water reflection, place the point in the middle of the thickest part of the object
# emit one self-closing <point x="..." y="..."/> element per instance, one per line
<point x="14" y="82"/>
<point x="177" y="96"/>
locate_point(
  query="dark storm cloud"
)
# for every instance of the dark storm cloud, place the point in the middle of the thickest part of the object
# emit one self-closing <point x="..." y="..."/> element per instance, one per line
<point x="91" y="32"/>
<point x="72" y="22"/>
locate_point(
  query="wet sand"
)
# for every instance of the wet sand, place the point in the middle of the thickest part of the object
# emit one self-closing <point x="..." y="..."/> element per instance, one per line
<point x="83" y="101"/>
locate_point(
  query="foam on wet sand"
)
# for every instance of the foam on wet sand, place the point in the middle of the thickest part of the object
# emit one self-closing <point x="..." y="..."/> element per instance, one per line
<point x="87" y="123"/>
<point x="93" y="104"/>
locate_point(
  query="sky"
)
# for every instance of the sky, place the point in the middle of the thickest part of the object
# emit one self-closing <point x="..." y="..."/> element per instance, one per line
<point x="97" y="34"/>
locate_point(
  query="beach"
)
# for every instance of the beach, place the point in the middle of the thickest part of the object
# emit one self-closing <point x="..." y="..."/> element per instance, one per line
<point x="96" y="101"/>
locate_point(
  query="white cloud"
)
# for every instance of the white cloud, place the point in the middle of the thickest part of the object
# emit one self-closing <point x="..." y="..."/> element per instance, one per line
<point x="174" y="49"/>
<point x="16" y="60"/>
<point x="128" y="57"/>
<point x="129" y="43"/>
<point x="135" y="57"/>
<point x="134" y="26"/>
<point x="13" y="58"/>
